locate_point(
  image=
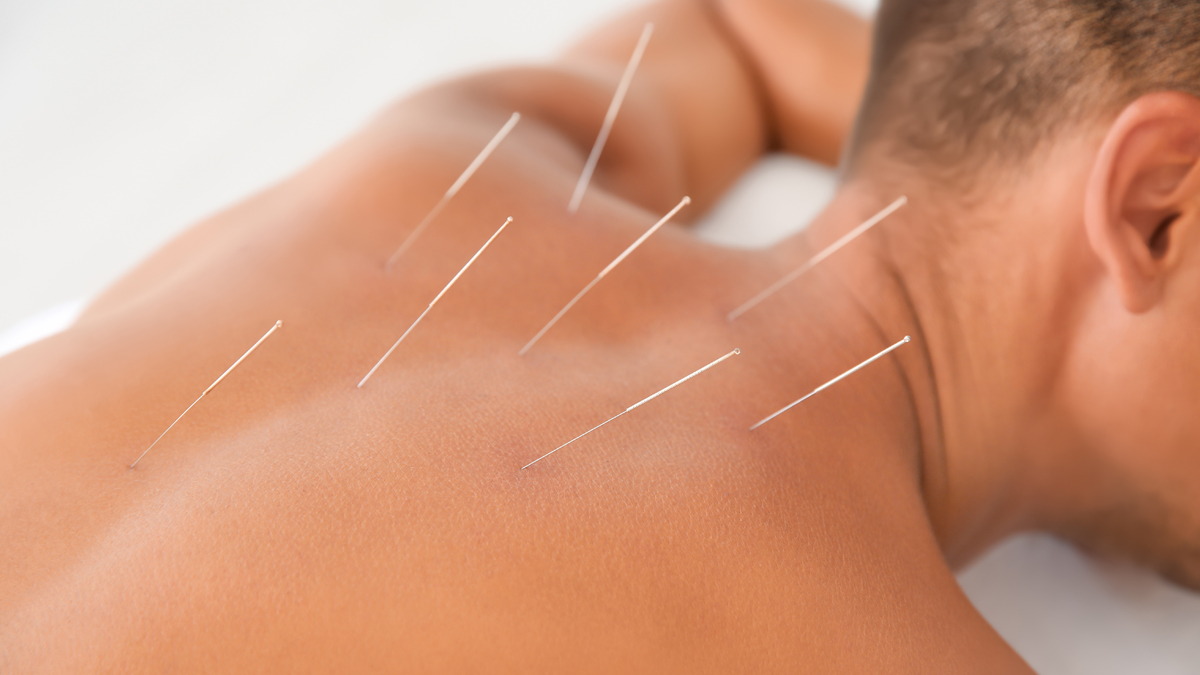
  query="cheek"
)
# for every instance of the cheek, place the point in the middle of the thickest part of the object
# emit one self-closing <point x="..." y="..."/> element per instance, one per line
<point x="1134" y="390"/>
<point x="1167" y="385"/>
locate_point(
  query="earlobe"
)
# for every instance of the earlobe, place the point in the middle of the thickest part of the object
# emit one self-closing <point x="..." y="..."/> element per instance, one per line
<point x="1143" y="189"/>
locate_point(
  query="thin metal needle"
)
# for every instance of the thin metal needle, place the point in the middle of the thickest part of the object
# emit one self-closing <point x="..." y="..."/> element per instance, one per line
<point x="210" y="388"/>
<point x="434" y="302"/>
<point x="609" y="118"/>
<point x="660" y="392"/>
<point x="603" y="272"/>
<point x="818" y="258"/>
<point x="462" y="180"/>
<point x="832" y="382"/>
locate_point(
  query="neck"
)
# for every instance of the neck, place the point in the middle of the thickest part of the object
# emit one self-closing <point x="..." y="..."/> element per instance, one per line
<point x="981" y="473"/>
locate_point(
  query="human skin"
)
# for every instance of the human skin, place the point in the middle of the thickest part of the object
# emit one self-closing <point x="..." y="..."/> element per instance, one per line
<point x="295" y="522"/>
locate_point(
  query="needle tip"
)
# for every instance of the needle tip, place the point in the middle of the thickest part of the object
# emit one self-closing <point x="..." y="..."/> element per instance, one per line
<point x="907" y="338"/>
<point x="737" y="351"/>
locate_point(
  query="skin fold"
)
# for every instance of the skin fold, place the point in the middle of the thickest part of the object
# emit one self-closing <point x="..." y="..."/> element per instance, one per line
<point x="292" y="522"/>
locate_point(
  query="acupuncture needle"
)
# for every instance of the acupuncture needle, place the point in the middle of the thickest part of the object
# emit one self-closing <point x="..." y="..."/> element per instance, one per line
<point x="210" y="388"/>
<point x="609" y="118"/>
<point x="635" y="405"/>
<point x="462" y="180"/>
<point x="434" y="302"/>
<point x="818" y="258"/>
<point x="832" y="382"/>
<point x="603" y="272"/>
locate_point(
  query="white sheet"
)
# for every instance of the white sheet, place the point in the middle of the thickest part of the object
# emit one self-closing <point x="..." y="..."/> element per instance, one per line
<point x="121" y="121"/>
<point x="39" y="326"/>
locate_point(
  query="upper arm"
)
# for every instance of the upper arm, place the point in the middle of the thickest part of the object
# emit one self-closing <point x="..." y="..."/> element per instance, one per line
<point x="690" y="124"/>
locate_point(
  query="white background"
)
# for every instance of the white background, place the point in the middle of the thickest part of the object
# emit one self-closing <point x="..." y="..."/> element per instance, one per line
<point x="123" y="121"/>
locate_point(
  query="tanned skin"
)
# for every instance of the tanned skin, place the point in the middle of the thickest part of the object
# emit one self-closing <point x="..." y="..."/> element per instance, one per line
<point x="292" y="522"/>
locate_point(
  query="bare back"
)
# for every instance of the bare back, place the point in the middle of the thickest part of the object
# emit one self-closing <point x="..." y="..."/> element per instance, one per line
<point x="295" y="522"/>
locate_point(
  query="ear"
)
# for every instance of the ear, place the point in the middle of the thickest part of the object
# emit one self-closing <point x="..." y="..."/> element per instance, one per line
<point x="1143" y="191"/>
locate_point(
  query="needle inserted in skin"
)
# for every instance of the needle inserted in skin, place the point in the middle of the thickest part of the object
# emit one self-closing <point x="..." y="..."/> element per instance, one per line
<point x="462" y="180"/>
<point x="606" y="270"/>
<point x="832" y="382"/>
<point x="210" y="388"/>
<point x="635" y="405"/>
<point x="609" y="118"/>
<point x="818" y="258"/>
<point x="434" y="302"/>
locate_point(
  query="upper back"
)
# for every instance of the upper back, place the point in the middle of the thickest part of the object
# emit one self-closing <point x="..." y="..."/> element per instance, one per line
<point x="292" y="520"/>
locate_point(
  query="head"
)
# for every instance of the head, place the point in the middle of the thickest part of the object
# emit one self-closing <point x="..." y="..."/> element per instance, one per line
<point x="1055" y="145"/>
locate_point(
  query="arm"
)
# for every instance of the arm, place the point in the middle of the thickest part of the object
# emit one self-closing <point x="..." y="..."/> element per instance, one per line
<point x="720" y="83"/>
<point x="812" y="58"/>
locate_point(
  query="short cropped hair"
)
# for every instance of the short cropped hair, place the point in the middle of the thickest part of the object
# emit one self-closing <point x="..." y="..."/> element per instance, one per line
<point x="959" y="83"/>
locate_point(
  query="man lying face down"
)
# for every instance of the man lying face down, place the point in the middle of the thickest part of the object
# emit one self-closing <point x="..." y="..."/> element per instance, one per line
<point x="1047" y="266"/>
